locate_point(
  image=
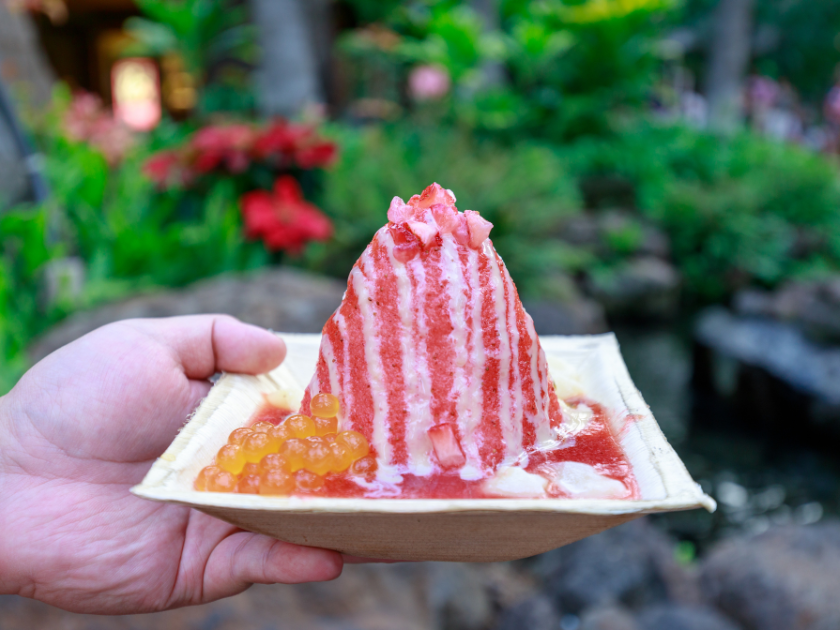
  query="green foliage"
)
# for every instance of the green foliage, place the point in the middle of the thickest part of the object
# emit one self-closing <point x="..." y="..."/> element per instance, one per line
<point x="25" y="252"/>
<point x="213" y="37"/>
<point x="129" y="237"/>
<point x="562" y="68"/>
<point x="738" y="210"/>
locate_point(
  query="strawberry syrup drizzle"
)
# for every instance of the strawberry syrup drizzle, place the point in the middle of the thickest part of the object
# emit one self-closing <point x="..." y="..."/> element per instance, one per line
<point x="491" y="446"/>
<point x="529" y="403"/>
<point x="386" y="299"/>
<point x="440" y="351"/>
<point x="359" y="413"/>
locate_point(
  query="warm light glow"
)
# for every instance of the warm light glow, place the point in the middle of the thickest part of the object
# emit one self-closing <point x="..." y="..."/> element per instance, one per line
<point x="136" y="92"/>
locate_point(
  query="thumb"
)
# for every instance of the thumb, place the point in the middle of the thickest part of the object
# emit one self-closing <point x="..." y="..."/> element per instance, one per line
<point x="243" y="559"/>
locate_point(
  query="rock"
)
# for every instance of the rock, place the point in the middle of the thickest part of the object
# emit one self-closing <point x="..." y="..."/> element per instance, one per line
<point x="778" y="348"/>
<point x="616" y="231"/>
<point x="642" y="286"/>
<point x="784" y="579"/>
<point x="583" y="316"/>
<point x="536" y="613"/>
<point x="609" y="618"/>
<point x="458" y="596"/>
<point x="814" y="307"/>
<point x="670" y="617"/>
<point x="632" y="564"/>
<point x="563" y="310"/>
<point x="407" y="596"/>
<point x="282" y="299"/>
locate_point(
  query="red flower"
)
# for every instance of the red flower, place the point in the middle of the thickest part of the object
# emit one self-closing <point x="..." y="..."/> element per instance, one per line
<point x="162" y="168"/>
<point x="280" y="139"/>
<point x="316" y="155"/>
<point x="222" y="145"/>
<point x="283" y="218"/>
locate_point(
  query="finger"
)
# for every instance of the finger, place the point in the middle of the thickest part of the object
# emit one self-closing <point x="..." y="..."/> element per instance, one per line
<point x="244" y="558"/>
<point x="206" y="344"/>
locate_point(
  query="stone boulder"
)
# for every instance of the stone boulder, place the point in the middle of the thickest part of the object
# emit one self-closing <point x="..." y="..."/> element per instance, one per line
<point x="535" y="613"/>
<point x="632" y="564"/>
<point x="671" y="617"/>
<point x="643" y="286"/>
<point x="784" y="579"/>
<point x="282" y="299"/>
<point x="608" y="618"/>
<point x="814" y="307"/>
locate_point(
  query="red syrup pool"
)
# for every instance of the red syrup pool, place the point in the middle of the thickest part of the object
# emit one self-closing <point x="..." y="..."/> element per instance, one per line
<point x="595" y="445"/>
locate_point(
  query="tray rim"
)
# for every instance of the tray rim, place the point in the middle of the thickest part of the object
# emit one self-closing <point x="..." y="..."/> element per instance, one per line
<point x="683" y="493"/>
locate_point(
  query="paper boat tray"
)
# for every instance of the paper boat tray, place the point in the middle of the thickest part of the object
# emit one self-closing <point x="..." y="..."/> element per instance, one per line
<point x="467" y="530"/>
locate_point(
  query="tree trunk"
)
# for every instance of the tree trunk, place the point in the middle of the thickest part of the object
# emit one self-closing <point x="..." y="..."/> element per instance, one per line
<point x="492" y="72"/>
<point x="288" y="78"/>
<point x="25" y="70"/>
<point x="22" y="62"/>
<point x="729" y="58"/>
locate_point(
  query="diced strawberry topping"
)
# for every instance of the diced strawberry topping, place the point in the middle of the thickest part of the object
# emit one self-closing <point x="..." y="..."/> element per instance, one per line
<point x="399" y="211"/>
<point x="445" y="216"/>
<point x="406" y="243"/>
<point x="425" y="232"/>
<point x="478" y="227"/>
<point x="432" y="195"/>
<point x="461" y="232"/>
<point x="446" y="445"/>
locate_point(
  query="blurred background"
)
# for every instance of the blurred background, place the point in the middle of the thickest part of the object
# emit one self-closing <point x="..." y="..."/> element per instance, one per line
<point x="665" y="170"/>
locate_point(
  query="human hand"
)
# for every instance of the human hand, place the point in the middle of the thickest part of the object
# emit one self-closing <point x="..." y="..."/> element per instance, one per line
<point x="81" y="428"/>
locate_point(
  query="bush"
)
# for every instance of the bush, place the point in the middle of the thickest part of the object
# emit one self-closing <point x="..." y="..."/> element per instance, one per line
<point x="738" y="210"/>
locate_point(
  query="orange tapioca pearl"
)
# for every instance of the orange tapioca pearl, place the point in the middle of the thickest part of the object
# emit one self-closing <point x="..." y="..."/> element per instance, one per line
<point x="273" y="460"/>
<point x="256" y="446"/>
<point x="262" y="427"/>
<point x="318" y="456"/>
<point x="276" y="482"/>
<point x="204" y="476"/>
<point x="281" y="433"/>
<point x="364" y="467"/>
<point x="249" y="484"/>
<point x="355" y="443"/>
<point x="324" y="405"/>
<point x="223" y="482"/>
<point x="250" y="469"/>
<point x="230" y="458"/>
<point x="307" y="481"/>
<point x="325" y="426"/>
<point x="238" y="435"/>
<point x="301" y="426"/>
<point x="294" y="450"/>
<point x="341" y="457"/>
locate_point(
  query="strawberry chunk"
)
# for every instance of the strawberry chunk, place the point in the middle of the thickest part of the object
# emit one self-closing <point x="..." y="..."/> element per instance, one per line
<point x="426" y="233"/>
<point x="406" y="244"/>
<point x="445" y="216"/>
<point x="446" y="445"/>
<point x="399" y="212"/>
<point x="479" y="228"/>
